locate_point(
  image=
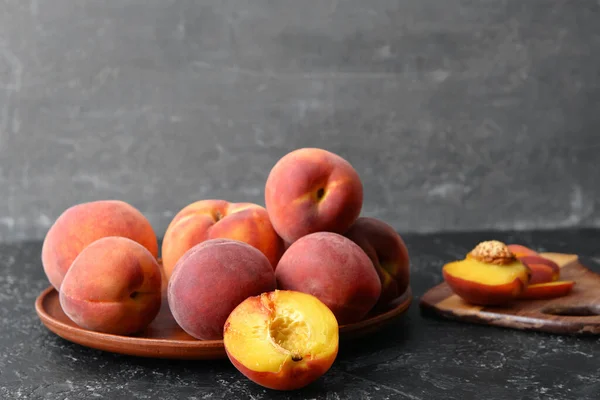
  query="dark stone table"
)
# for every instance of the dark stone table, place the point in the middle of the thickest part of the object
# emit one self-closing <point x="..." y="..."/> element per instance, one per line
<point x="416" y="358"/>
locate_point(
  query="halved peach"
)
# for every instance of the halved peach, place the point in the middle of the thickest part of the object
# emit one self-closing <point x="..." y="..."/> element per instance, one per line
<point x="542" y="269"/>
<point x="547" y="290"/>
<point x="484" y="283"/>
<point x="521" y="251"/>
<point x="281" y="340"/>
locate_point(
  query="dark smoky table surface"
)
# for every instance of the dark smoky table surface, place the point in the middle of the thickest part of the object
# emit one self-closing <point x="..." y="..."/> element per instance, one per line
<point x="417" y="357"/>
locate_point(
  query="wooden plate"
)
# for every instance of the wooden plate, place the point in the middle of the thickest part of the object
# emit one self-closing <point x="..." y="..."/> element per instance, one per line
<point x="165" y="339"/>
<point x="577" y="313"/>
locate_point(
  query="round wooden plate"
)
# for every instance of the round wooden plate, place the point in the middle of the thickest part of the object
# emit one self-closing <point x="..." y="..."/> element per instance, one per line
<point x="163" y="338"/>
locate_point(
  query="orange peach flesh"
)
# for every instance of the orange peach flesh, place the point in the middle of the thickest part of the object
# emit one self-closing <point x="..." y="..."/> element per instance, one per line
<point x="281" y="340"/>
<point x="486" y="284"/>
<point x="487" y="274"/>
<point x="547" y="290"/>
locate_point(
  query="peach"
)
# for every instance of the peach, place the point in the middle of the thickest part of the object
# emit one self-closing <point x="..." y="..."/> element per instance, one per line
<point x="547" y="290"/>
<point x="83" y="224"/>
<point x="211" y="279"/>
<point x="521" y="251"/>
<point x="334" y="269"/>
<point x="387" y="252"/>
<point x="312" y="190"/>
<point x="281" y="340"/>
<point x="489" y="275"/>
<point x="542" y="269"/>
<point x="113" y="286"/>
<point x="212" y="219"/>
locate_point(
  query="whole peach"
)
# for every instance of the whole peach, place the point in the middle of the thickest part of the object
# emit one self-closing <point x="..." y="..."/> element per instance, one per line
<point x="387" y="252"/>
<point x="335" y="270"/>
<point x="212" y="219"/>
<point x="311" y="190"/>
<point x="83" y="224"/>
<point x="113" y="286"/>
<point x="211" y="279"/>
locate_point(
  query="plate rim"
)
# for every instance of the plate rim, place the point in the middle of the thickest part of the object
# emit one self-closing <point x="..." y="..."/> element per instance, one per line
<point x="152" y="345"/>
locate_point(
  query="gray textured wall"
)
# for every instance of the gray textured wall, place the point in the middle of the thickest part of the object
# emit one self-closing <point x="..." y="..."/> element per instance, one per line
<point x="457" y="114"/>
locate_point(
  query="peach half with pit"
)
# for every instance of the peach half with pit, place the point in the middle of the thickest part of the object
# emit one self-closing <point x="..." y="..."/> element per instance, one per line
<point x="282" y="340"/>
<point x="113" y="286"/>
<point x="489" y="275"/>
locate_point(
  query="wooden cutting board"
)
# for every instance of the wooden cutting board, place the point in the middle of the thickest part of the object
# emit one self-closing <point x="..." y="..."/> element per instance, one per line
<point x="577" y="313"/>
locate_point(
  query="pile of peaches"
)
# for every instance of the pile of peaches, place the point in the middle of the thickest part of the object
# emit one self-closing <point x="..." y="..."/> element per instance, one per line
<point x="274" y="283"/>
<point x="494" y="273"/>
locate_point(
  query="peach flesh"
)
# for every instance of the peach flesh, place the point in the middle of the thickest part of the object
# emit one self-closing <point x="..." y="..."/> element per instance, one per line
<point x="486" y="284"/>
<point x="282" y="340"/>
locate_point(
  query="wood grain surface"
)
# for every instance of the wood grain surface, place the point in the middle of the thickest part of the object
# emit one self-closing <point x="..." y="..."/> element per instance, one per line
<point x="578" y="313"/>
